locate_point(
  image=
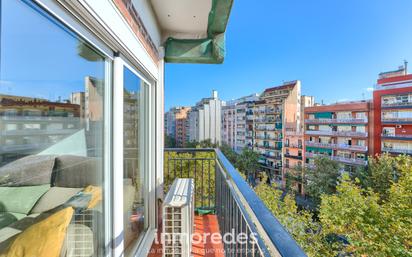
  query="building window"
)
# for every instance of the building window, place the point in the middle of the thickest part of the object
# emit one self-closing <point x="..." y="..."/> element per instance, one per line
<point x="54" y="172"/>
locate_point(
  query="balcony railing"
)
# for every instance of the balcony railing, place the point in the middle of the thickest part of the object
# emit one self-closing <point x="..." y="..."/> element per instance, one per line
<point x="337" y="146"/>
<point x="398" y="104"/>
<point x="339" y="121"/>
<point x="337" y="133"/>
<point x="338" y="159"/>
<point x="297" y="157"/>
<point x="396" y="151"/>
<point x="397" y="136"/>
<point x="219" y="187"/>
<point x="397" y="120"/>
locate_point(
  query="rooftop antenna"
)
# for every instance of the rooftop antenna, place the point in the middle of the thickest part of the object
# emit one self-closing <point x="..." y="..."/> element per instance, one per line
<point x="405" y="65"/>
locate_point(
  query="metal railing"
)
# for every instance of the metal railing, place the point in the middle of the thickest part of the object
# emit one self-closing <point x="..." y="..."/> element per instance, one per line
<point x="337" y="133"/>
<point x="327" y="121"/>
<point x="337" y="146"/>
<point x="397" y="151"/>
<point x="238" y="208"/>
<point x="338" y="158"/>
<point x="398" y="104"/>
<point x="398" y="119"/>
<point x="404" y="136"/>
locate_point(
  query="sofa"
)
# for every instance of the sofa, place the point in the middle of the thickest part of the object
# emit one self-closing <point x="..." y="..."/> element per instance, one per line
<point x="35" y="187"/>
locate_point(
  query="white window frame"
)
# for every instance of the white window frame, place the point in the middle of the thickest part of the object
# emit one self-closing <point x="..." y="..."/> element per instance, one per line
<point x="113" y="131"/>
<point x="142" y="246"/>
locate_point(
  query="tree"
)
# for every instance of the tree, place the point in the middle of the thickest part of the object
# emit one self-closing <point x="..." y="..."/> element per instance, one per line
<point x="322" y="178"/>
<point x="292" y="177"/>
<point x="170" y="142"/>
<point x="231" y="155"/>
<point x="372" y="227"/>
<point x="248" y="163"/>
<point x="299" y="224"/>
<point x="383" y="171"/>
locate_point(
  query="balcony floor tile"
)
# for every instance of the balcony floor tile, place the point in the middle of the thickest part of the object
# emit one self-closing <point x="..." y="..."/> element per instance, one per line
<point x="205" y="224"/>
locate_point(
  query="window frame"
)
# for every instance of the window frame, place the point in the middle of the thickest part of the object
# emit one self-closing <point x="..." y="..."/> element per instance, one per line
<point x="62" y="15"/>
<point x="143" y="244"/>
<point x="113" y="156"/>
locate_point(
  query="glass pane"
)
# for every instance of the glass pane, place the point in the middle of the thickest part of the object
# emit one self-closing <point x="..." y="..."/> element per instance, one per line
<point x="51" y="139"/>
<point x="134" y="176"/>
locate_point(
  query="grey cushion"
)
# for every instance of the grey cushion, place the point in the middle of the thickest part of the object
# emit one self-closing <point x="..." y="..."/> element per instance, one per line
<point x="56" y="196"/>
<point x="31" y="170"/>
<point x="77" y="171"/>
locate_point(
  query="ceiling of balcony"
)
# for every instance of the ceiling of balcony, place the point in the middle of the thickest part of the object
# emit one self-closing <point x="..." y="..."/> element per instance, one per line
<point x="183" y="18"/>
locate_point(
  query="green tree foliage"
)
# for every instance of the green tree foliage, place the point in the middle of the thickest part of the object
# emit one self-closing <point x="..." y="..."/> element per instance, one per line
<point x="231" y="155"/>
<point x="372" y="227"/>
<point x="299" y="224"/>
<point x="170" y="142"/>
<point x="248" y="162"/>
<point x="292" y="177"/>
<point x="322" y="178"/>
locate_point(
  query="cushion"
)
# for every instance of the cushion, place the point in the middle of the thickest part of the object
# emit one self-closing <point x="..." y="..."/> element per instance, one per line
<point x="28" y="171"/>
<point x="96" y="195"/>
<point x="20" y="199"/>
<point x="56" y="196"/>
<point x="77" y="171"/>
<point x="44" y="238"/>
<point x="7" y="218"/>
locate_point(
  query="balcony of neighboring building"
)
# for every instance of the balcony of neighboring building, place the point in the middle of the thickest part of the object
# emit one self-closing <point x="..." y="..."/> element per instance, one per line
<point x="348" y="120"/>
<point x="396" y="117"/>
<point x="342" y="159"/>
<point x="336" y="133"/>
<point x="229" y="205"/>
<point x="359" y="148"/>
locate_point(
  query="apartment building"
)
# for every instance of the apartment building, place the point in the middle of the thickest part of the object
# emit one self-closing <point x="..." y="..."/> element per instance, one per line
<point x="237" y="122"/>
<point x="277" y="106"/>
<point x="176" y="120"/>
<point x="229" y="125"/>
<point x="340" y="132"/>
<point x="204" y="122"/>
<point x="392" y="104"/>
<point x="294" y="144"/>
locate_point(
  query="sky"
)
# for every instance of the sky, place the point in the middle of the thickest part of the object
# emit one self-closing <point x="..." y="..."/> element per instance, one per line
<point x="336" y="48"/>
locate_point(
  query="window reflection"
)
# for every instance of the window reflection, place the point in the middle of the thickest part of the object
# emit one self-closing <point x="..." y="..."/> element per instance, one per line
<point x="134" y="218"/>
<point x="51" y="132"/>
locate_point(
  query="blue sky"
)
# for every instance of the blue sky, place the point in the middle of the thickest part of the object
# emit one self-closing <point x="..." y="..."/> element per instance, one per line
<point x="335" y="47"/>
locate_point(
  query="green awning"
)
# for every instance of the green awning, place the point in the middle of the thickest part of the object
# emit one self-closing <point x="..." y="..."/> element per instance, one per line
<point x="206" y="50"/>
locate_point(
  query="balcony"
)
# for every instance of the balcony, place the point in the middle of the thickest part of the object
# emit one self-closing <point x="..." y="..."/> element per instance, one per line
<point x="397" y="105"/>
<point x="341" y="159"/>
<point x="336" y="133"/>
<point x="337" y="121"/>
<point x="396" y="151"/>
<point x="338" y="146"/>
<point x="293" y="146"/>
<point x="234" y="206"/>
<point x="397" y="120"/>
<point x="296" y="157"/>
<point x="397" y="136"/>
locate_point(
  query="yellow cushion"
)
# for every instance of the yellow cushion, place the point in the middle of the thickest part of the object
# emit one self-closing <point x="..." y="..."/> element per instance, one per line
<point x="96" y="193"/>
<point x="42" y="239"/>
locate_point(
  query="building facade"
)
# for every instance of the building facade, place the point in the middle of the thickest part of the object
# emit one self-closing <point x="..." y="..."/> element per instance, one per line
<point x="392" y="104"/>
<point x="277" y="106"/>
<point x="176" y="120"/>
<point x="294" y="145"/>
<point x="340" y="132"/>
<point x="205" y="120"/>
<point x="237" y="122"/>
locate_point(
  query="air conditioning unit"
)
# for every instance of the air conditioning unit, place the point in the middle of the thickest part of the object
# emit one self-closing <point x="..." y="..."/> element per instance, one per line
<point x="398" y="126"/>
<point x="178" y="219"/>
